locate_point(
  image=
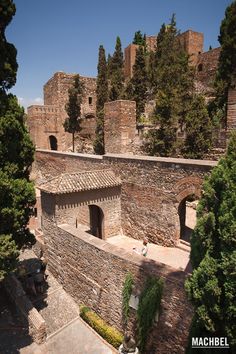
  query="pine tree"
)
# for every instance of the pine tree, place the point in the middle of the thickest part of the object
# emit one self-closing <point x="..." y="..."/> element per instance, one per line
<point x="212" y="286"/>
<point x="174" y="88"/>
<point x="16" y="156"/>
<point x="137" y="88"/>
<point x="226" y="72"/>
<point x="102" y="98"/>
<point x="73" y="109"/>
<point x="198" y="128"/>
<point x="117" y="75"/>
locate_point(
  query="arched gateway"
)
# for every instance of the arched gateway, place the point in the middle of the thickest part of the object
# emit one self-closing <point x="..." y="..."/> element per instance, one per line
<point x="188" y="190"/>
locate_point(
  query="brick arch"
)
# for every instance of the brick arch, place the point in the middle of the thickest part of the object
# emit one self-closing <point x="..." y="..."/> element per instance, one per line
<point x="184" y="188"/>
<point x="187" y="186"/>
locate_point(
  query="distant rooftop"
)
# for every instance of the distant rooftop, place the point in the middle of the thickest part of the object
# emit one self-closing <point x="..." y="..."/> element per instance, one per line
<point x="80" y="181"/>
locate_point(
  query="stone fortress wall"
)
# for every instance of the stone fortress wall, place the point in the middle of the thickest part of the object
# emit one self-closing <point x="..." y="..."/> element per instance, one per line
<point x="46" y="122"/>
<point x="91" y="270"/>
<point x="151" y="193"/>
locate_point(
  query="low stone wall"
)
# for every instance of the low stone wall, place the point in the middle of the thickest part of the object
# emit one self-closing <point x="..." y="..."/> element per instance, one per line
<point x="37" y="325"/>
<point x="93" y="273"/>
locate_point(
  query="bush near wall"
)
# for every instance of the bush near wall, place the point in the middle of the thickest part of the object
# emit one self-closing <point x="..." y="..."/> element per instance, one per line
<point x="110" y="334"/>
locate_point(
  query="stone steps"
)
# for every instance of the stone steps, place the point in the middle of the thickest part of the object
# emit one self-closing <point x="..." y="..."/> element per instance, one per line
<point x="184" y="245"/>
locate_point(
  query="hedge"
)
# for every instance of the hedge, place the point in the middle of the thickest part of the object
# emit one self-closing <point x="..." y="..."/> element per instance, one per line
<point x="110" y="334"/>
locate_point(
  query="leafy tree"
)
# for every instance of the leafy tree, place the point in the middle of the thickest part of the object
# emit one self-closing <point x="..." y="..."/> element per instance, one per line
<point x="16" y="156"/>
<point x="73" y="109"/>
<point x="198" y="129"/>
<point x="137" y="87"/>
<point x="102" y="98"/>
<point x="174" y="88"/>
<point x="212" y="286"/>
<point x="139" y="39"/>
<point x="226" y="72"/>
<point x="116" y="73"/>
<point x="8" y="63"/>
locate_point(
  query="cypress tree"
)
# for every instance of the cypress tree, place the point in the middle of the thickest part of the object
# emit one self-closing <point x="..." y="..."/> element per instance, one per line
<point x="117" y="75"/>
<point x="17" y="195"/>
<point x="212" y="286"/>
<point x="102" y="98"/>
<point x="174" y="88"/>
<point x="137" y="88"/>
<point x="198" y="129"/>
<point x="73" y="109"/>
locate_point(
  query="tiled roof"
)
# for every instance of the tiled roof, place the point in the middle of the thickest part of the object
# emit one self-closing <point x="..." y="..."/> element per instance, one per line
<point x="80" y="181"/>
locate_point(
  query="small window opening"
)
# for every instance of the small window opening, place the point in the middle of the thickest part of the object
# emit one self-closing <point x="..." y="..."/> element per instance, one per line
<point x="90" y="100"/>
<point x="200" y="67"/>
<point x="35" y="212"/>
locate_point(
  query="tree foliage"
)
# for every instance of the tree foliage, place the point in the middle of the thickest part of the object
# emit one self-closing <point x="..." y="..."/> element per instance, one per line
<point x="174" y="87"/>
<point x="212" y="286"/>
<point x="198" y="128"/>
<point x="102" y="98"/>
<point x="177" y="106"/>
<point x="139" y="38"/>
<point x="116" y="73"/>
<point x="16" y="156"/>
<point x="137" y="87"/>
<point x="226" y="71"/>
<point x="73" y="109"/>
<point x="149" y="305"/>
<point x="8" y="63"/>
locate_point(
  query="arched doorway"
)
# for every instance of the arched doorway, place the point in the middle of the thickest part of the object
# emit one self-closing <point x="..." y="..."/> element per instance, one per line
<point x="187" y="216"/>
<point x="53" y="142"/>
<point x="96" y="221"/>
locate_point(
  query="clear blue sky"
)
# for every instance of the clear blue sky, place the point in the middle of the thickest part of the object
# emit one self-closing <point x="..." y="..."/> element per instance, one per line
<point x="64" y="35"/>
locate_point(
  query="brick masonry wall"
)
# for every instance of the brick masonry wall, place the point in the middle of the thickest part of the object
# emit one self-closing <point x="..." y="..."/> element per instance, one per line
<point x="129" y="60"/>
<point x="231" y="109"/>
<point x="206" y="67"/>
<point x="93" y="273"/>
<point x="47" y="120"/>
<point x="119" y="126"/>
<point x="152" y="188"/>
<point x="68" y="207"/>
<point x="151" y="42"/>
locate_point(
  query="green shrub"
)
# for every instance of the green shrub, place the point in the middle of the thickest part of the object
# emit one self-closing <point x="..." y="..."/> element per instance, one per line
<point x="126" y="293"/>
<point x="110" y="334"/>
<point x="149" y="305"/>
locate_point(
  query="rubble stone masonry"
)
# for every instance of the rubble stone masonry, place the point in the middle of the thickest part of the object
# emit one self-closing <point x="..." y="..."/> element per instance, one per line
<point x="119" y="126"/>
<point x="152" y="188"/>
<point x="93" y="273"/>
<point x="47" y="120"/>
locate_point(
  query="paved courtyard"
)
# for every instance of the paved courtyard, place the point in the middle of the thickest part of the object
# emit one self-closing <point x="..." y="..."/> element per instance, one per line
<point x="172" y="256"/>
